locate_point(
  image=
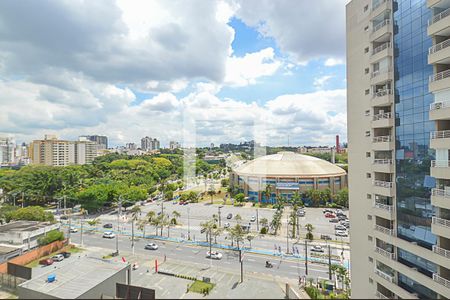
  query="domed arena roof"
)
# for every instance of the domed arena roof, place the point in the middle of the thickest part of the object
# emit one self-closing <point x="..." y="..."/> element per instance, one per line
<point x="289" y="164"/>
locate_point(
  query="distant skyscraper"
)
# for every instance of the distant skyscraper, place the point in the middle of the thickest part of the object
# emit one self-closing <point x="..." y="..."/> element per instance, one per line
<point x="7" y="150"/>
<point x="100" y="140"/>
<point x="131" y="146"/>
<point x="174" y="145"/>
<point x="149" y="144"/>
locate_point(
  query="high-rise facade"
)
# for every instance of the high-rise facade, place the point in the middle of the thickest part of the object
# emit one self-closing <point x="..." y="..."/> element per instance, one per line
<point x="7" y="150"/>
<point x="398" y="78"/>
<point x="149" y="144"/>
<point x="100" y="140"/>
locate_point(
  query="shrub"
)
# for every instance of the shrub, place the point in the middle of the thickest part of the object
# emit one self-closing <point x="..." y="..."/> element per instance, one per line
<point x="264" y="230"/>
<point x="54" y="235"/>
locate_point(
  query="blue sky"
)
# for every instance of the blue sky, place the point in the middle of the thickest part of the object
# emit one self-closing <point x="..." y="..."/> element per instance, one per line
<point x="240" y="70"/>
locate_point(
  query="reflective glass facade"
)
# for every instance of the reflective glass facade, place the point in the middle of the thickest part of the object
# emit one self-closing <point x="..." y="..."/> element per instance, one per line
<point x="412" y="130"/>
<point x="414" y="287"/>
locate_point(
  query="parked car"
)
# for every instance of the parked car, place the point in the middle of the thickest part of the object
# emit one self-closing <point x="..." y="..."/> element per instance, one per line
<point x="108" y="225"/>
<point x="300" y="213"/>
<point x="330" y="215"/>
<point x="46" y="262"/>
<point x="214" y="255"/>
<point x="339" y="212"/>
<point x="58" y="257"/>
<point x="65" y="254"/>
<point x="203" y="230"/>
<point x="253" y="219"/>
<point x="325" y="237"/>
<point x="174" y="202"/>
<point x="181" y="203"/>
<point x="342" y="217"/>
<point x="341" y="233"/>
<point x="317" y="248"/>
<point x="327" y="210"/>
<point x="151" y="246"/>
<point x="226" y="225"/>
<point x="63" y="217"/>
<point x="334" y="220"/>
<point x="229" y="216"/>
<point x="109" y="235"/>
<point x="340" y="227"/>
<point x="73" y="230"/>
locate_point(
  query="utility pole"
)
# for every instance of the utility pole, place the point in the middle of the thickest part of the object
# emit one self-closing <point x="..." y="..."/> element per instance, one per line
<point x="70" y="223"/>
<point x="65" y="203"/>
<point x="23" y="198"/>
<point x="306" y="257"/>
<point x="81" y="232"/>
<point x="257" y="221"/>
<point x="219" y="215"/>
<point x="287" y="234"/>
<point x="329" y="262"/>
<point x="118" y="224"/>
<point x="189" y="226"/>
<point x="241" y="260"/>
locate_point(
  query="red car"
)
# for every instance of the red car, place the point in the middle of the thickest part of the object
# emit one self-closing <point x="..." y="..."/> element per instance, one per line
<point x="181" y="203"/>
<point x="329" y="215"/>
<point x="46" y="262"/>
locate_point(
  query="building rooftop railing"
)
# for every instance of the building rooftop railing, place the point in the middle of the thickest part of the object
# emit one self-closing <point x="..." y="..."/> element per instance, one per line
<point x="381" y="48"/>
<point x="438" y="47"/>
<point x="441" y="222"/>
<point x="381" y="139"/>
<point x="441" y="280"/>
<point x="439" y="76"/>
<point x="386" y="115"/>
<point x="440" y="163"/>
<point x="385" y="253"/>
<point x="439" y="17"/>
<point x="381" y="25"/>
<point x="441" y="251"/>
<point x="441" y="134"/>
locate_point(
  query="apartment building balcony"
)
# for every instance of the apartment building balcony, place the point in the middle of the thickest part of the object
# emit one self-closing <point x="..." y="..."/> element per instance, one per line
<point x="440" y="198"/>
<point x="381" y="52"/>
<point x="385" y="276"/>
<point x="380" y="76"/>
<point x="383" y="210"/>
<point x="439" y="24"/>
<point x="440" y="110"/>
<point x="380" y="295"/>
<point x="440" y="139"/>
<point x="441" y="251"/>
<point x="384" y="253"/>
<point x="439" y="81"/>
<point x="440" y="169"/>
<point x="441" y="280"/>
<point x="383" y="188"/>
<point x="440" y="227"/>
<point x="382" y="143"/>
<point x="381" y="32"/>
<point x="383" y="165"/>
<point x="439" y="53"/>
<point x="385" y="230"/>
<point x="380" y="7"/>
<point x="383" y="98"/>
<point x="383" y="120"/>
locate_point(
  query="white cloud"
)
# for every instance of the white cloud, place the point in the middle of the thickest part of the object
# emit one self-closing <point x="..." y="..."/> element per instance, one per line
<point x="320" y="82"/>
<point x="331" y="62"/>
<point x="242" y="71"/>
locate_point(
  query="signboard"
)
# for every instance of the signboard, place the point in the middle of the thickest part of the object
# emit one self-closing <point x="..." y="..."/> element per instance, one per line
<point x="287" y="185"/>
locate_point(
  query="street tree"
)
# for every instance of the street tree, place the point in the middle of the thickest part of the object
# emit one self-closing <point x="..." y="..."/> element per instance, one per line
<point x="309" y="228"/>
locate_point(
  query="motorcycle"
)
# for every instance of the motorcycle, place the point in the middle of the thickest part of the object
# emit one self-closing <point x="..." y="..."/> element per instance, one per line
<point x="269" y="265"/>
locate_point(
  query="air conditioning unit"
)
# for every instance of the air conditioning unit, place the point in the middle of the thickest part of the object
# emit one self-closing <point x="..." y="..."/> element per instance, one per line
<point x="438" y="105"/>
<point x="377" y="197"/>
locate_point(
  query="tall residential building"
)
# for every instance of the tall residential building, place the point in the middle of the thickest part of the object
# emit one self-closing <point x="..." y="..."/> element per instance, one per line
<point x="398" y="64"/>
<point x="7" y="150"/>
<point x="174" y="145"/>
<point x="54" y="152"/>
<point x="149" y="144"/>
<point x="100" y="140"/>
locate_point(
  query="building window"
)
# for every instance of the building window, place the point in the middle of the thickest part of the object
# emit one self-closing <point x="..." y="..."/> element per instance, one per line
<point x="366" y="71"/>
<point x="370" y="280"/>
<point x="369" y="238"/>
<point x="368" y="175"/>
<point x="367" y="154"/>
<point x="367" y="112"/>
<point x="369" y="217"/>
<point x="366" y="29"/>
<point x="370" y="259"/>
<point x="367" y="133"/>
<point x="366" y="8"/>
<point x="366" y="50"/>
<point x="367" y="92"/>
<point x="369" y="196"/>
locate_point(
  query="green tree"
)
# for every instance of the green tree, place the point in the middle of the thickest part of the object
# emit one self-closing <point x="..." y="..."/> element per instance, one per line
<point x="237" y="234"/>
<point x="264" y="222"/>
<point x="239" y="198"/>
<point x="50" y="237"/>
<point x="135" y="214"/>
<point x="30" y="213"/>
<point x="341" y="197"/>
<point x="309" y="228"/>
<point x="175" y="216"/>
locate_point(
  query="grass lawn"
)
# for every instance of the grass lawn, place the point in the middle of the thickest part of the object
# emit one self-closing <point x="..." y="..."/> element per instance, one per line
<point x="199" y="286"/>
<point x="35" y="263"/>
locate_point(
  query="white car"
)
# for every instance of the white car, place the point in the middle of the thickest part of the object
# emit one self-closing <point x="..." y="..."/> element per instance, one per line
<point x="253" y="219"/>
<point x="73" y="230"/>
<point x="109" y="235"/>
<point x="151" y="246"/>
<point x="341" y="233"/>
<point x="214" y="255"/>
<point x="317" y="248"/>
<point x="226" y="225"/>
<point x="58" y="257"/>
<point x="340" y="227"/>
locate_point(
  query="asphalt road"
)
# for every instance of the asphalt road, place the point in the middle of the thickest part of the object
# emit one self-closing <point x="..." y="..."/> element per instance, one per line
<point x="283" y="266"/>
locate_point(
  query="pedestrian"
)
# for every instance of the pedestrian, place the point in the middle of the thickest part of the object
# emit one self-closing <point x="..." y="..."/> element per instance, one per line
<point x="165" y="258"/>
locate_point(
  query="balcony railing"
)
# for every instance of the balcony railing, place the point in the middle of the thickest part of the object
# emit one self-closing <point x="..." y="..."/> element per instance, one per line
<point x="386" y="115"/>
<point x="379" y="72"/>
<point x="381" y="25"/>
<point x="381" y="48"/>
<point x="382" y="93"/>
<point x="382" y="206"/>
<point x="380" y="295"/>
<point x="385" y="253"/>
<point x="385" y="184"/>
<point x="439" y="16"/>
<point x="441" y="280"/>
<point x="441" y="222"/>
<point x="441" y="251"/>
<point x="441" y="134"/>
<point x="384" y="275"/>
<point x="439" y="105"/>
<point x="378" y="4"/>
<point x="382" y="139"/>
<point x="384" y="230"/>
<point x="440" y="163"/>
<point x="440" y="192"/>
<point x="439" y="47"/>
<point x="382" y="161"/>
<point x="439" y="76"/>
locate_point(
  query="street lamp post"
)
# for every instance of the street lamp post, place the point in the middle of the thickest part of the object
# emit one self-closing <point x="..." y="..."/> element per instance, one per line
<point x="257" y="221"/>
<point x="219" y="215"/>
<point x="189" y="225"/>
<point x="118" y="224"/>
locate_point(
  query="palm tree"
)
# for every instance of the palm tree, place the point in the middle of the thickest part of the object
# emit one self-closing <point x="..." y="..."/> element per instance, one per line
<point x="309" y="228"/>
<point x="238" y="218"/>
<point x="93" y="222"/>
<point x="211" y="193"/>
<point x="264" y="222"/>
<point x="293" y="221"/>
<point x="249" y="238"/>
<point x="268" y="192"/>
<point x="141" y="225"/>
<point x="135" y="213"/>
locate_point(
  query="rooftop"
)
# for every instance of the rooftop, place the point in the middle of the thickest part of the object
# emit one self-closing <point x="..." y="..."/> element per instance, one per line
<point x="23" y="226"/>
<point x="289" y="164"/>
<point x="75" y="278"/>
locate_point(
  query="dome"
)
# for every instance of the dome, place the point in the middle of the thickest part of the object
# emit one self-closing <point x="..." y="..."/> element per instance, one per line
<point x="289" y="164"/>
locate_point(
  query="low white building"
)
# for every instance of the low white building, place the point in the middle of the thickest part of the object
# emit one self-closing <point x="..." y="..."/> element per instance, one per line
<point x="25" y="234"/>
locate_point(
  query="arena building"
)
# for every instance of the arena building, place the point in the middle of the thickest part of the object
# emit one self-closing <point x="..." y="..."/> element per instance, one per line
<point x="286" y="173"/>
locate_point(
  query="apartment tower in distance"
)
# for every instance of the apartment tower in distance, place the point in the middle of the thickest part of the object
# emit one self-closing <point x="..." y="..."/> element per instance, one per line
<point x="398" y="85"/>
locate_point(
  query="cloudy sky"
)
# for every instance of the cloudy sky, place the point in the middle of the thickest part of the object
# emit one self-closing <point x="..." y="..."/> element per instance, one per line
<point x="212" y="71"/>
